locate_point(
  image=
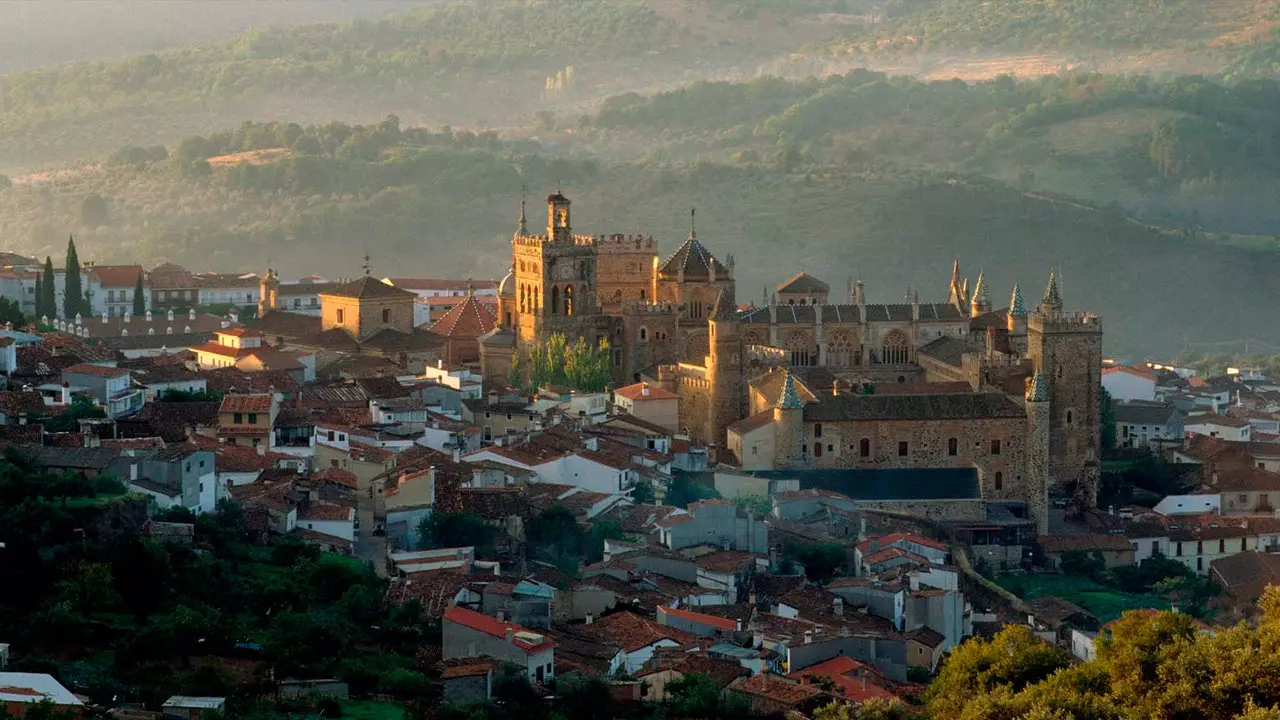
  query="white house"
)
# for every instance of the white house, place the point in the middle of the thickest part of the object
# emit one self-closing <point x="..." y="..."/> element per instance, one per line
<point x="1147" y="425"/>
<point x="1219" y="426"/>
<point x="1129" y="383"/>
<point x="1190" y="505"/>
<point x="333" y="520"/>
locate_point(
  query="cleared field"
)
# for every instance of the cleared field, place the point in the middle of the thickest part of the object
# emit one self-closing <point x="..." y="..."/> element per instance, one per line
<point x="1102" y="134"/>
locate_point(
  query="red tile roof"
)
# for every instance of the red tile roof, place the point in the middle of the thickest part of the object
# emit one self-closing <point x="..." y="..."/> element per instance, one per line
<point x="338" y="476"/>
<point x="774" y="688"/>
<point x="246" y="403"/>
<point x="116" y="276"/>
<point x="710" y="620"/>
<point x="839" y="671"/>
<point x="1129" y="371"/>
<point x="526" y="640"/>
<point x="644" y="391"/>
<point x="96" y="370"/>
<point x="468" y="319"/>
<point x="632" y="632"/>
<point x="326" y="512"/>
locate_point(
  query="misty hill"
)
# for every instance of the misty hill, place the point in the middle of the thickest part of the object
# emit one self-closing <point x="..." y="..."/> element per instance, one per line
<point x="444" y="203"/>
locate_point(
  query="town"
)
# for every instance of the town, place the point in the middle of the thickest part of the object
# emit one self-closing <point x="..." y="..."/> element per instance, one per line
<point x="610" y="465"/>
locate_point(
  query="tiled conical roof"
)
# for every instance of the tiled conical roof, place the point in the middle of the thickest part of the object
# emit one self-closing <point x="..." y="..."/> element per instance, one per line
<point x="468" y="319"/>
<point x="724" y="309"/>
<point x="1016" y="307"/>
<point x="803" y="282"/>
<point x="368" y="287"/>
<point x="1038" y="389"/>
<point x="1051" y="294"/>
<point x="790" y="399"/>
<point x="695" y="260"/>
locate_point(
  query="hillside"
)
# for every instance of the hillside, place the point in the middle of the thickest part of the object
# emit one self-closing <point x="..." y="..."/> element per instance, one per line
<point x="444" y="203"/>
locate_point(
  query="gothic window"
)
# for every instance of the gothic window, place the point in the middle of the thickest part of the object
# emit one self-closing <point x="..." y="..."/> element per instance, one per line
<point x="695" y="309"/>
<point x="791" y="301"/>
<point x="568" y="299"/>
<point x="864" y="447"/>
<point x="802" y="301"/>
<point x="555" y="300"/>
<point x="842" y="349"/>
<point x="801" y="349"/>
<point x="644" y="333"/>
<point x="754" y="337"/>
<point x="817" y="430"/>
<point x="953" y="447"/>
<point x="895" y="349"/>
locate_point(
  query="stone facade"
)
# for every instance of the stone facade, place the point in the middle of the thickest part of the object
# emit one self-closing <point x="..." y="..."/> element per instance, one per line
<point x="364" y="317"/>
<point x="626" y="266"/>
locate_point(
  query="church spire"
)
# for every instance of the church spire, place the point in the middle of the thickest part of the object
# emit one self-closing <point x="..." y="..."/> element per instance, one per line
<point x="980" y="303"/>
<point x="522" y="228"/>
<point x="790" y="397"/>
<point x="693" y="224"/>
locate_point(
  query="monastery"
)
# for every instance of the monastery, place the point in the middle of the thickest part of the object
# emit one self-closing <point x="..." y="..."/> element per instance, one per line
<point x="805" y="380"/>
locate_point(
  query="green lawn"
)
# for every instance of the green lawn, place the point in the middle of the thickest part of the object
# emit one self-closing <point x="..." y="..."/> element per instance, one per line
<point x="372" y="710"/>
<point x="1105" y="603"/>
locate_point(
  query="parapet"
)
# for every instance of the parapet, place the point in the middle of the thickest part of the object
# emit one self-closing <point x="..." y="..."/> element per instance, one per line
<point x="619" y="242"/>
<point x="1064" y="322"/>
<point x="639" y="307"/>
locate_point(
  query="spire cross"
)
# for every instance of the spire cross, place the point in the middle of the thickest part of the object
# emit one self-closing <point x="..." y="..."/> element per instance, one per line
<point x="367" y="267"/>
<point x="693" y="224"/>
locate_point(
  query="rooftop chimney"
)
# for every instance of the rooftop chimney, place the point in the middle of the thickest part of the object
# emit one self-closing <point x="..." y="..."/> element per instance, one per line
<point x="644" y="389"/>
<point x="510" y="634"/>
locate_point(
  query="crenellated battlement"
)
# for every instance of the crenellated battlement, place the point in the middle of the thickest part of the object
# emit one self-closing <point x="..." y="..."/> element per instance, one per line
<point x="1064" y="322"/>
<point x="768" y="355"/>
<point x="619" y="242"/>
<point x="639" y="307"/>
<point x="540" y="240"/>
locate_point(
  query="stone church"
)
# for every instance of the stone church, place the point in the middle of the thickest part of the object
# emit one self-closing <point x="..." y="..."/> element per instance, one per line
<point x="800" y="381"/>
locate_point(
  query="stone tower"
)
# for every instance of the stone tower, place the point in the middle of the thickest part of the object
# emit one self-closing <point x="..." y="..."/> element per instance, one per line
<point x="268" y="292"/>
<point x="1039" y="417"/>
<point x="555" y="276"/>
<point x="507" y="299"/>
<point x="788" y="423"/>
<point x="693" y="279"/>
<point x="1067" y="349"/>
<point x="724" y="368"/>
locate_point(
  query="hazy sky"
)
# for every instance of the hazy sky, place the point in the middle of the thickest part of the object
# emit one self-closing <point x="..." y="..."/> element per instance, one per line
<point x="44" y="32"/>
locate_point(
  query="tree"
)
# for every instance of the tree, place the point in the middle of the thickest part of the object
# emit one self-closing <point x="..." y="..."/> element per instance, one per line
<point x="579" y="366"/>
<point x="694" y="695"/>
<point x="73" y="293"/>
<point x="1006" y="663"/>
<point x="139" y="297"/>
<point x="1107" y="417"/>
<point x="447" y="529"/>
<point x="11" y="312"/>
<point x="556" y="537"/>
<point x="642" y="493"/>
<point x="50" y="290"/>
<point x="41" y="310"/>
<point x="585" y="697"/>
<point x="82" y="408"/>
<point x="684" y="490"/>
<point x="1082" y="563"/>
<point x="821" y="562"/>
<point x="873" y="709"/>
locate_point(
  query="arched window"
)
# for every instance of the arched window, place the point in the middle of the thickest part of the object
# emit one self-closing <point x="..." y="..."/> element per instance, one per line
<point x="644" y="333"/>
<point x="568" y="299"/>
<point x="817" y="449"/>
<point x="953" y="447"/>
<point x="895" y="349"/>
<point x="864" y="447"/>
<point x="642" y="295"/>
<point x="695" y="309"/>
<point x="817" y="430"/>
<point x="999" y="480"/>
<point x="842" y="349"/>
<point x="801" y="349"/>
<point x="555" y="300"/>
<point x="802" y="302"/>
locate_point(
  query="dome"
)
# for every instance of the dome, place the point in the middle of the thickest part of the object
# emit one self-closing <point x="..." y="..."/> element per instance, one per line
<point x="507" y="288"/>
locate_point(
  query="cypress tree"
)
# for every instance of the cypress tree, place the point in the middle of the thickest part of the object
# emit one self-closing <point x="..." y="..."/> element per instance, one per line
<point x="50" y="293"/>
<point x="139" y="297"/>
<point x="73" y="294"/>
<point x="40" y="311"/>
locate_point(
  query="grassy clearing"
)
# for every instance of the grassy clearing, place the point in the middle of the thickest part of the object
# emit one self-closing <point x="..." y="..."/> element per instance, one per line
<point x="1103" y="602"/>
<point x="372" y="710"/>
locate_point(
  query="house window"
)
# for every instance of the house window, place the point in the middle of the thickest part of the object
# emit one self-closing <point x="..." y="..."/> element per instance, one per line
<point x="341" y="317"/>
<point x="831" y="448"/>
<point x="253" y="418"/>
<point x="1155" y="547"/>
<point x="386" y="316"/>
<point x="237" y="418"/>
<point x="995" y="447"/>
<point x="1222" y="546"/>
<point x="953" y="447"/>
<point x="188" y="467"/>
<point x="903" y="448"/>
<point x="817" y="430"/>
<point x="1178" y="551"/>
<point x="1244" y="497"/>
<point x="864" y="447"/>
<point x="817" y="449"/>
<point x="1199" y="547"/>
<point x="644" y="333"/>
<point x="999" y="480"/>
<point x="1200" y="564"/>
<point x="754" y="450"/>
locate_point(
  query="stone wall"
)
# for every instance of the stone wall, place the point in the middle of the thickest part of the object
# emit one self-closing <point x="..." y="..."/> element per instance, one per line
<point x="937" y="510"/>
<point x="928" y="446"/>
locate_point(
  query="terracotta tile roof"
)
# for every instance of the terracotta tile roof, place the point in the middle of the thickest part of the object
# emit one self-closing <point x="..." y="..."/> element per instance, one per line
<point x="775" y="689"/>
<point x="842" y="672"/>
<point x="899" y="537"/>
<point x="891" y="553"/>
<point x="287" y="324"/>
<point x="173" y="420"/>
<point x="718" y="623"/>
<point x="326" y="512"/>
<point x="468" y="319"/>
<point x="526" y="640"/>
<point x="927" y="636"/>
<point x="722" y="672"/>
<point x="752" y="423"/>
<point x="101" y="371"/>
<point x="1245" y="575"/>
<point x="19" y="402"/>
<point x="117" y="276"/>
<point x="467" y="667"/>
<point x="1243" y="476"/>
<point x="693" y="261"/>
<point x="644" y="391"/>
<point x="338" y="476"/>
<point x="1125" y="369"/>
<point x="725" y="561"/>
<point x="233" y="380"/>
<point x="367" y="288"/>
<point x="246" y="403"/>
<point x="434" y="590"/>
<point x="632" y="632"/>
<point x="1083" y="543"/>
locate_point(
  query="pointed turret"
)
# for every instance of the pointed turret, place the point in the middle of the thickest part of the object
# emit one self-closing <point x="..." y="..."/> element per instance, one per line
<point x="522" y="225"/>
<point x="981" y="303"/>
<point x="1016" y="308"/>
<point x="1038" y="388"/>
<point x="790" y="397"/>
<point x="955" y="297"/>
<point x="1052" y="301"/>
<point x="724" y="308"/>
